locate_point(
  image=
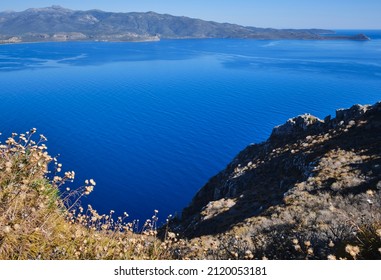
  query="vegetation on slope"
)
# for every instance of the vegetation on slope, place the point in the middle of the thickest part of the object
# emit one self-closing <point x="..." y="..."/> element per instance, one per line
<point x="59" y="24"/>
<point x="312" y="191"/>
<point x="38" y="221"/>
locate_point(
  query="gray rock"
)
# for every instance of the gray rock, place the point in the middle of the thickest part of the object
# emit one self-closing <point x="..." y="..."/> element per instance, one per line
<point x="348" y="114"/>
<point x="296" y="125"/>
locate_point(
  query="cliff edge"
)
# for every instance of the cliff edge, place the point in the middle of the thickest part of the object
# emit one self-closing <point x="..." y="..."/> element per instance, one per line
<point x="313" y="181"/>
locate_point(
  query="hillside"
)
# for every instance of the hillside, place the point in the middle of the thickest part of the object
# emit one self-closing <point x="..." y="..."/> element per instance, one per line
<point x="59" y="24"/>
<point x="311" y="191"/>
<point x="312" y="187"/>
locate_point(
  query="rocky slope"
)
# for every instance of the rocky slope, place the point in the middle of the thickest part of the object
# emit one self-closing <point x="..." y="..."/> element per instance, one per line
<point x="59" y="24"/>
<point x="311" y="188"/>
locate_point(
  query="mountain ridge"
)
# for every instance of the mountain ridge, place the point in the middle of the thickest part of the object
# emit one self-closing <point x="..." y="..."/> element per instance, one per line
<point x="60" y="24"/>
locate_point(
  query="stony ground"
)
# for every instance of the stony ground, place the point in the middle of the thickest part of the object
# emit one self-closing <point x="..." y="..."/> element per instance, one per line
<point x="307" y="192"/>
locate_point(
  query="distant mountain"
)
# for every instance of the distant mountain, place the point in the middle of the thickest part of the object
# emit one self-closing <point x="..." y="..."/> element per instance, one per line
<point x="59" y="24"/>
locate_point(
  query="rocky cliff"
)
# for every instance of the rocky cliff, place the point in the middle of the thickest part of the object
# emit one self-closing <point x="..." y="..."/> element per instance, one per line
<point x="313" y="181"/>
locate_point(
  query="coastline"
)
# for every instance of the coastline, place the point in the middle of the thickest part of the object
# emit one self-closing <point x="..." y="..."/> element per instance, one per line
<point x="359" y="37"/>
<point x="71" y="41"/>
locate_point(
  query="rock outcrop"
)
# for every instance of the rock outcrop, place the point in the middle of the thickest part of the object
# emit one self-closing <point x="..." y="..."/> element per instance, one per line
<point x="297" y="125"/>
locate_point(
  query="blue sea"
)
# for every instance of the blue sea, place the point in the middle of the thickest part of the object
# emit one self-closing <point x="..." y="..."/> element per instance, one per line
<point x="151" y="122"/>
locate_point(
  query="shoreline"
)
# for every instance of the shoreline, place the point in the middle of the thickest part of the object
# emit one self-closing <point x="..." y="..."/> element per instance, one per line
<point x="328" y="38"/>
<point x="69" y="41"/>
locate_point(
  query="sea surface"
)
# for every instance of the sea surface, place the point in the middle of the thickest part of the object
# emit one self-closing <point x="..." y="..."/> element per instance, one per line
<point x="152" y="122"/>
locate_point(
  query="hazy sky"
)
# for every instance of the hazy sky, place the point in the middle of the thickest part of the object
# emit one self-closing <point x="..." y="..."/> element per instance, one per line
<point x="335" y="14"/>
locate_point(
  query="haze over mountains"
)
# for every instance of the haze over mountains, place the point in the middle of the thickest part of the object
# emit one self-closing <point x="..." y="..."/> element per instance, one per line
<point x="59" y="24"/>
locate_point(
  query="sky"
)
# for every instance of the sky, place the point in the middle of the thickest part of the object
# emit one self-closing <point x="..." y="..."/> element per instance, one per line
<point x="330" y="14"/>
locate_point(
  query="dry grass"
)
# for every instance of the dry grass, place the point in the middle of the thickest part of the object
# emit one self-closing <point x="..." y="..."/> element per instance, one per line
<point x="37" y="221"/>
